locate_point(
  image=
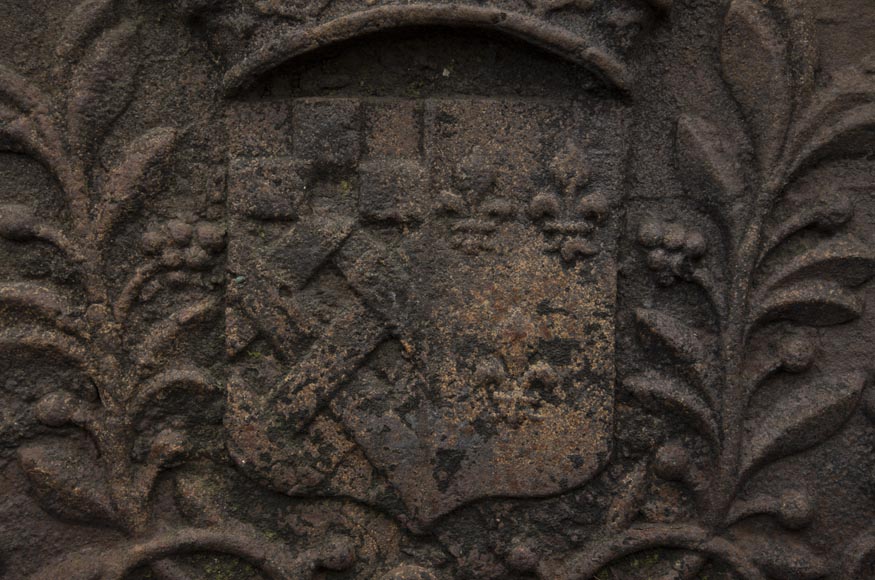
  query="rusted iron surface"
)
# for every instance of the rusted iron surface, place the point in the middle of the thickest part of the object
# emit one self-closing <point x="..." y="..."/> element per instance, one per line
<point x="432" y="290"/>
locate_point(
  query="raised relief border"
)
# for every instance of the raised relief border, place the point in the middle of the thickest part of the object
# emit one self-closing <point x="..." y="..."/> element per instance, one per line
<point x="385" y="345"/>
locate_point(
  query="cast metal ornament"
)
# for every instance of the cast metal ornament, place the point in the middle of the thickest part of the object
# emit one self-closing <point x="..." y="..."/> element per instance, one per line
<point x="407" y="334"/>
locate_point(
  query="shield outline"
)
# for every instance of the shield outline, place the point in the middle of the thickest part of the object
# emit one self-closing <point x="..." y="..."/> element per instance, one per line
<point x="250" y="418"/>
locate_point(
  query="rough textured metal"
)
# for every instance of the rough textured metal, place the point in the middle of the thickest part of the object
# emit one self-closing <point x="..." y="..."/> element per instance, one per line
<point x="437" y="289"/>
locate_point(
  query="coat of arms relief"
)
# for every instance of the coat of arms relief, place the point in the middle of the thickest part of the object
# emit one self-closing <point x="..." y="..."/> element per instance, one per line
<point x="442" y="275"/>
<point x="389" y="297"/>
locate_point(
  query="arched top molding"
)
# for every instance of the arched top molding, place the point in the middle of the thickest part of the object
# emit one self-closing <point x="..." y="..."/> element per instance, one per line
<point x="562" y="42"/>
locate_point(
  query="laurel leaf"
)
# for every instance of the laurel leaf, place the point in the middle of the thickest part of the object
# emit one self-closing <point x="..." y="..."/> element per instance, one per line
<point x="84" y="21"/>
<point x="844" y="261"/>
<point x="24" y="296"/>
<point x="810" y="303"/>
<point x="103" y="86"/>
<point x="19" y="92"/>
<point x="143" y="153"/>
<point x="20" y="135"/>
<point x="35" y="135"/>
<point x="163" y="334"/>
<point x="67" y="481"/>
<point x="191" y="379"/>
<point x="169" y="405"/>
<point x="850" y="134"/>
<point x="755" y="66"/>
<point x="708" y="160"/>
<point x="127" y="180"/>
<point x="663" y="394"/>
<point x="804" y="418"/>
<point x="839" y="119"/>
<point x="29" y="338"/>
<point x="683" y="343"/>
<point x="675" y="335"/>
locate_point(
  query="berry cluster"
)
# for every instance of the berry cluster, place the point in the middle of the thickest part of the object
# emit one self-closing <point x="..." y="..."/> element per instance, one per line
<point x="797" y="353"/>
<point x="673" y="250"/>
<point x="184" y="243"/>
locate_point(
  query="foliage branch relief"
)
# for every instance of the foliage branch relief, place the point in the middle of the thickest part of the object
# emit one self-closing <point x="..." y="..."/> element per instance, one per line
<point x="748" y="384"/>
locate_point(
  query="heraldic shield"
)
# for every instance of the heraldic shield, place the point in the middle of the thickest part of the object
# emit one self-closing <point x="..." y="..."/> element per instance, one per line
<point x="423" y="291"/>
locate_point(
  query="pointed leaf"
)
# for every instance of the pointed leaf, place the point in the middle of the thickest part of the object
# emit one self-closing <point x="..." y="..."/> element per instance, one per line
<point x="167" y="331"/>
<point x="685" y="344"/>
<point x="806" y="417"/>
<point x="28" y="296"/>
<point x="793" y="509"/>
<point x="810" y="303"/>
<point x="16" y="337"/>
<point x="84" y="21"/>
<point x="20" y="135"/>
<point x="850" y="134"/>
<point x="143" y="153"/>
<point x="67" y="480"/>
<point x="660" y="393"/>
<point x="127" y="180"/>
<point x="34" y="135"/>
<point x="103" y="371"/>
<point x="25" y="123"/>
<point x="827" y="214"/>
<point x="708" y="160"/>
<point x="844" y="261"/>
<point x="680" y="339"/>
<point x="755" y="66"/>
<point x="102" y="87"/>
<point x="192" y="379"/>
<point x="841" y="111"/>
<point x="19" y="92"/>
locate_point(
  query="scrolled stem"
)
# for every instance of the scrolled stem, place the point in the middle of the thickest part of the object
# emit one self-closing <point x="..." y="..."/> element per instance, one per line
<point x="586" y="563"/>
